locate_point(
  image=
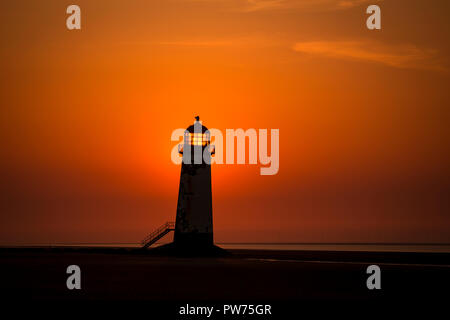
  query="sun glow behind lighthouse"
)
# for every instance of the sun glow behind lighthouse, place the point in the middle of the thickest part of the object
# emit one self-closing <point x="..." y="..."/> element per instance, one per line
<point x="86" y="152"/>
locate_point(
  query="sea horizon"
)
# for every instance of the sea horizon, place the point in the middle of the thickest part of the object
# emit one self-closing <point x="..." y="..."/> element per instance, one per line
<point x="277" y="246"/>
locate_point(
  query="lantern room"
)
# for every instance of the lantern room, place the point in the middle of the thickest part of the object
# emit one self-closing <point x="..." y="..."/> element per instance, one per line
<point x="196" y="137"/>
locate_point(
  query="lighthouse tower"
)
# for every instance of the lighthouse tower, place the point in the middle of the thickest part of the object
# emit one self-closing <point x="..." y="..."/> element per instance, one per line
<point x="193" y="225"/>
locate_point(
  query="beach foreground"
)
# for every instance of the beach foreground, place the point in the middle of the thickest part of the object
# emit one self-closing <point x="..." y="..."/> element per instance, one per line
<point x="245" y="276"/>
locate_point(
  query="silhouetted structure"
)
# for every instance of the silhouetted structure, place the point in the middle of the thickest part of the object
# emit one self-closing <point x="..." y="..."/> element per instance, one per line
<point x="193" y="227"/>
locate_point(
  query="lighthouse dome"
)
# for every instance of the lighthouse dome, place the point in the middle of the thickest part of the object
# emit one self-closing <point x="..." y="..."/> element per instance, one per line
<point x="196" y="126"/>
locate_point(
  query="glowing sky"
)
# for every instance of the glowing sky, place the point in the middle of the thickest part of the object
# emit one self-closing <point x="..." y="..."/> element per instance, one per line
<point x="86" y="118"/>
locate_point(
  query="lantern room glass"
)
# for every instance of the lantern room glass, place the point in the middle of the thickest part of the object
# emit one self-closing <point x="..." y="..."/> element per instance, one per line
<point x="199" y="139"/>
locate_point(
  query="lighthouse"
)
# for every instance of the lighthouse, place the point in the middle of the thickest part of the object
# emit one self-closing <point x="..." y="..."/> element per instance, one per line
<point x="194" y="223"/>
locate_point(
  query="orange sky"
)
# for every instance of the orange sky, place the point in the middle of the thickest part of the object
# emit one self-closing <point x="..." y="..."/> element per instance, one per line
<point x="86" y="118"/>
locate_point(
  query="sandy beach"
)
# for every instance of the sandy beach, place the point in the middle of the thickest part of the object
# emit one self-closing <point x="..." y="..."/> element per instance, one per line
<point x="244" y="276"/>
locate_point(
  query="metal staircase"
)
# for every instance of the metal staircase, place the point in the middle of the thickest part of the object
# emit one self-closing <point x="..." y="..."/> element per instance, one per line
<point x="158" y="234"/>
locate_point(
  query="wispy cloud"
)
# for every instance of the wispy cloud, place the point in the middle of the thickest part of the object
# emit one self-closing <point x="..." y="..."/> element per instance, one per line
<point x="258" y="5"/>
<point x="353" y="3"/>
<point x="399" y="56"/>
<point x="196" y="43"/>
<point x="267" y="5"/>
<point x="253" y="41"/>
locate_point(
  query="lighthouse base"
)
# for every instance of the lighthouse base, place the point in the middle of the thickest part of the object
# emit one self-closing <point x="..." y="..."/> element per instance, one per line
<point x="191" y="239"/>
<point x="189" y="250"/>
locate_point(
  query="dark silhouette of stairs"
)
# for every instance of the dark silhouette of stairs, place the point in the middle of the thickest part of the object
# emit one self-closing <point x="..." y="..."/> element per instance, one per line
<point x="158" y="234"/>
